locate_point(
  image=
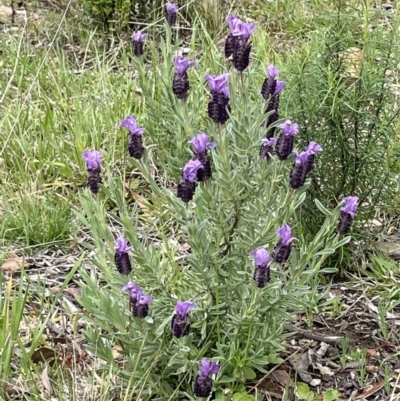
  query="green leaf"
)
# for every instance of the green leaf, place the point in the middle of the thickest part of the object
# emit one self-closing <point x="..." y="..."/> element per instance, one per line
<point x="302" y="390"/>
<point x="322" y="208"/>
<point x="242" y="397"/>
<point x="248" y="373"/>
<point x="331" y="395"/>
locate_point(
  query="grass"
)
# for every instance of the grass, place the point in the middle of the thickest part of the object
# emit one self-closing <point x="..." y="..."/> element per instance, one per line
<point x="65" y="91"/>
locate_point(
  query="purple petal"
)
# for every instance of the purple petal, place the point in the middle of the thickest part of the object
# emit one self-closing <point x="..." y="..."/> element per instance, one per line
<point x="313" y="147"/>
<point x="279" y="86"/>
<point x="289" y="128"/>
<point x="182" y="308"/>
<point x="285" y="232"/>
<point x="350" y="205"/>
<point x="232" y="21"/>
<point x="92" y="159"/>
<point x="219" y="83"/>
<point x="208" y="368"/>
<point x="130" y="286"/>
<point x="171" y="7"/>
<point x="272" y="71"/>
<point x="200" y="142"/>
<point x="302" y="157"/>
<point x="139" y="36"/>
<point x="182" y="64"/>
<point x="130" y="123"/>
<point x="261" y="257"/>
<point x="121" y="245"/>
<point x="268" y="141"/>
<point x="190" y="170"/>
<point x="145" y="299"/>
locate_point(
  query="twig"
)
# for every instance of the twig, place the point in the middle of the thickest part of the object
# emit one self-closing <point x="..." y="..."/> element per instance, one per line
<point x="312" y="336"/>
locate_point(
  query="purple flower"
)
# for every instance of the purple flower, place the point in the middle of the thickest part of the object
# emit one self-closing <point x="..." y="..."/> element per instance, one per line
<point x="272" y="72"/>
<point x="130" y="123"/>
<point x="288" y="128"/>
<point x="279" y="86"/>
<point x="183" y="308"/>
<point x="182" y="64"/>
<point x="350" y="205"/>
<point x="171" y="7"/>
<point x="190" y="170"/>
<point x="219" y="84"/>
<point x="243" y="29"/>
<point x="121" y="245"/>
<point x="180" y="325"/>
<point x="208" y="368"/>
<point x="203" y="382"/>
<point x="139" y="36"/>
<point x="268" y="141"/>
<point x="261" y="257"/>
<point x="139" y="301"/>
<point x="200" y="143"/>
<point x="232" y="21"/>
<point x="92" y="159"/>
<point x="301" y="158"/>
<point x="285" y="232"/>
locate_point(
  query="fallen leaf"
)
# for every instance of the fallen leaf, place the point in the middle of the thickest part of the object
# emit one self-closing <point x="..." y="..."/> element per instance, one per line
<point x="44" y="377"/>
<point x="14" y="263"/>
<point x="73" y="291"/>
<point x="370" y="390"/>
<point x="141" y="203"/>
<point x="388" y="247"/>
<point x="372" y="353"/>
<point x="281" y="376"/>
<point x="45" y="354"/>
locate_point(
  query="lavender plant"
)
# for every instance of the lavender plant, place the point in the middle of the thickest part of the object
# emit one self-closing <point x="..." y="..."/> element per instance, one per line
<point x="238" y="297"/>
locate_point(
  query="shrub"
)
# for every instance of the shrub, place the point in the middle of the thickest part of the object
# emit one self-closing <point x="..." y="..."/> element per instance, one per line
<point x="221" y="278"/>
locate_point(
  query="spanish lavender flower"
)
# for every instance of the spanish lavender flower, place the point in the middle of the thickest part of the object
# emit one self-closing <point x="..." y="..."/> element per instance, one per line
<point x="218" y="106"/>
<point x="200" y="144"/>
<point x="347" y="214"/>
<point x="313" y="148"/>
<point x="172" y="9"/>
<point x="180" y="85"/>
<point x="92" y="159"/>
<point x="121" y="257"/>
<point x="283" y="247"/>
<point x="180" y="325"/>
<point x="139" y="301"/>
<point x="138" y="38"/>
<point x="270" y="91"/>
<point x="203" y="381"/>
<point x="231" y="41"/>
<point x="262" y="274"/>
<point x="135" y="141"/>
<point x="284" y="144"/>
<point x="187" y="186"/>
<point x="266" y="149"/>
<point x="241" y="55"/>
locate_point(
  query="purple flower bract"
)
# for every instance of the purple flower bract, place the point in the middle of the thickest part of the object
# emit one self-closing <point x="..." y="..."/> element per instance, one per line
<point x="219" y="84"/>
<point x="183" y="308"/>
<point x="200" y="142"/>
<point x="261" y="257"/>
<point x="190" y="170"/>
<point x="208" y="368"/>
<point x="92" y="159"/>
<point x="121" y="245"/>
<point x="350" y="205"/>
<point x="130" y="123"/>
<point x="285" y="232"/>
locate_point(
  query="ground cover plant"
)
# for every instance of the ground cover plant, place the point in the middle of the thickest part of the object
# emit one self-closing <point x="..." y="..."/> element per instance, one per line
<point x="184" y="268"/>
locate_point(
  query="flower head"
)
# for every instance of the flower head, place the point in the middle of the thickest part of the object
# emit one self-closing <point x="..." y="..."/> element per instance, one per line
<point x="121" y="245"/>
<point x="272" y="71"/>
<point x="130" y="123"/>
<point x="92" y="159"/>
<point x="139" y="36"/>
<point x="261" y="257"/>
<point x="350" y="205"/>
<point x="183" y="308"/>
<point x="208" y="368"/>
<point x="219" y="83"/>
<point x="288" y="128"/>
<point x="190" y="170"/>
<point x="182" y="64"/>
<point x="285" y="232"/>
<point x="171" y="7"/>
<point x="200" y="142"/>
